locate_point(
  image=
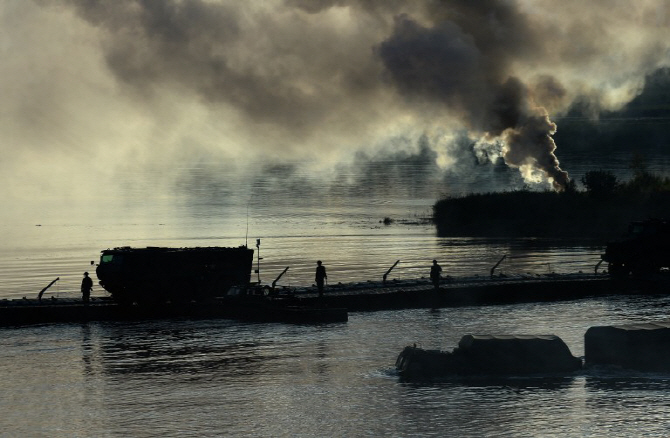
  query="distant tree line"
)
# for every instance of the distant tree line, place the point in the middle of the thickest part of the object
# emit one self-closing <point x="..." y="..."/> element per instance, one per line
<point x="603" y="183"/>
<point x="602" y="210"/>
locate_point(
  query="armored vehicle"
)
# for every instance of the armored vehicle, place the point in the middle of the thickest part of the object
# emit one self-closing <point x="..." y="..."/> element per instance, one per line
<point x="157" y="275"/>
<point x="645" y="249"/>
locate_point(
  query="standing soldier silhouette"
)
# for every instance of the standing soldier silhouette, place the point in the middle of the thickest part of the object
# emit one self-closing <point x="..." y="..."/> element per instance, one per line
<point x="435" y="272"/>
<point x="321" y="276"/>
<point x="86" y="286"/>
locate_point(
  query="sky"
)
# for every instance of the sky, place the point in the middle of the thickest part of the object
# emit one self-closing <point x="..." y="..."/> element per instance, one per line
<point x="140" y="100"/>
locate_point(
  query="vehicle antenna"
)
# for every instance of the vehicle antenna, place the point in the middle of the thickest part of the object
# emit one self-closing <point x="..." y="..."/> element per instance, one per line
<point x="246" y="235"/>
<point x="258" y="263"/>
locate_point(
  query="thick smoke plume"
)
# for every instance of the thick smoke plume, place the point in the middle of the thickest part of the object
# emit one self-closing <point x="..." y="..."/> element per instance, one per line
<point x="466" y="69"/>
<point x="139" y="96"/>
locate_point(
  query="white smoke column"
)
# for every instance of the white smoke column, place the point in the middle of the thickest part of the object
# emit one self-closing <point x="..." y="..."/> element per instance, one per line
<point x="530" y="144"/>
<point x="526" y="133"/>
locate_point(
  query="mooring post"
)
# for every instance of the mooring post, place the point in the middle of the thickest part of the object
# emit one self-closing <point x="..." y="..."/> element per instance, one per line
<point x="496" y="265"/>
<point x="39" y="296"/>
<point x="597" y="266"/>
<point x="389" y="271"/>
<point x="274" y="283"/>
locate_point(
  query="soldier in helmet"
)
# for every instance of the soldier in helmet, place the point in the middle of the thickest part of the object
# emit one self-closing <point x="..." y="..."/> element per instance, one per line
<point x="86" y="286"/>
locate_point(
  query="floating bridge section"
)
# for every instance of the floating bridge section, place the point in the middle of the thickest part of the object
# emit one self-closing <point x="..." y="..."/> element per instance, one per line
<point x="368" y="296"/>
<point x="469" y="291"/>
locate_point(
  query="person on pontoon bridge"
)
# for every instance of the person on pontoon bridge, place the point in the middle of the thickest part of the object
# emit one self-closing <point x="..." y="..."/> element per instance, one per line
<point x="321" y="276"/>
<point x="435" y="272"/>
<point x="86" y="286"/>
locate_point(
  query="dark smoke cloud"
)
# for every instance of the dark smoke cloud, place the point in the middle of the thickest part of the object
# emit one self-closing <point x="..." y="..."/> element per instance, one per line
<point x="148" y="87"/>
<point x="467" y="71"/>
<point x="277" y="66"/>
<point x="246" y="57"/>
<point x="549" y="92"/>
<point x="186" y="44"/>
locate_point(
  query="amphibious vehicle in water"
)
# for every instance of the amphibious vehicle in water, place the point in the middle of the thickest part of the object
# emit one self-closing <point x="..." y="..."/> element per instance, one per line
<point x="156" y="275"/>
<point x="644" y="250"/>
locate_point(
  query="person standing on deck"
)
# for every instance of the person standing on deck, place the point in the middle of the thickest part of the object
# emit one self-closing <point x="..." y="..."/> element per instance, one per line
<point x="321" y="276"/>
<point x="435" y="272"/>
<point x="86" y="286"/>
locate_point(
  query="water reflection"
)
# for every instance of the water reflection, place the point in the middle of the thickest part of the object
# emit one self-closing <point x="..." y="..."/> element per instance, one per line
<point x="208" y="350"/>
<point x="321" y="350"/>
<point x="617" y="380"/>
<point x="513" y="384"/>
<point x="87" y="348"/>
<point x="225" y="378"/>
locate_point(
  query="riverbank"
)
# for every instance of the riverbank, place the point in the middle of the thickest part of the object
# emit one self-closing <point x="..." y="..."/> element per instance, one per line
<point x="546" y="214"/>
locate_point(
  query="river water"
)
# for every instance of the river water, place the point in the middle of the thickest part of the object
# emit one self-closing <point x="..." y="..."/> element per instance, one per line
<point x="227" y="378"/>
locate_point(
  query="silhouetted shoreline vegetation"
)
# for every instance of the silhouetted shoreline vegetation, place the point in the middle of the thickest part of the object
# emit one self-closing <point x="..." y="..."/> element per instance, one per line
<point x="602" y="210"/>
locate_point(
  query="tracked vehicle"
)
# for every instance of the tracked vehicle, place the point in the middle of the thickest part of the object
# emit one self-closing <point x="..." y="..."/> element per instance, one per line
<point x="645" y="249"/>
<point x="156" y="275"/>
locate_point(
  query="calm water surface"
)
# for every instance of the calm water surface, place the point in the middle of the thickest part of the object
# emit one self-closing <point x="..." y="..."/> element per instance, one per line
<point x="355" y="246"/>
<point x="225" y="378"/>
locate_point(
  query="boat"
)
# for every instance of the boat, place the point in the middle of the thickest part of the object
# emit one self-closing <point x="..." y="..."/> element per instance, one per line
<point x="639" y="346"/>
<point x="490" y="355"/>
<point x="157" y="275"/>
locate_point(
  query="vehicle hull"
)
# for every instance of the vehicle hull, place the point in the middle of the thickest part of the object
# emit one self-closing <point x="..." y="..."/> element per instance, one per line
<point x="156" y="275"/>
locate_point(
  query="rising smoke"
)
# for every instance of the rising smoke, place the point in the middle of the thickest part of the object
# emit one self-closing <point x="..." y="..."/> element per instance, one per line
<point x="448" y="63"/>
<point x="137" y="85"/>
